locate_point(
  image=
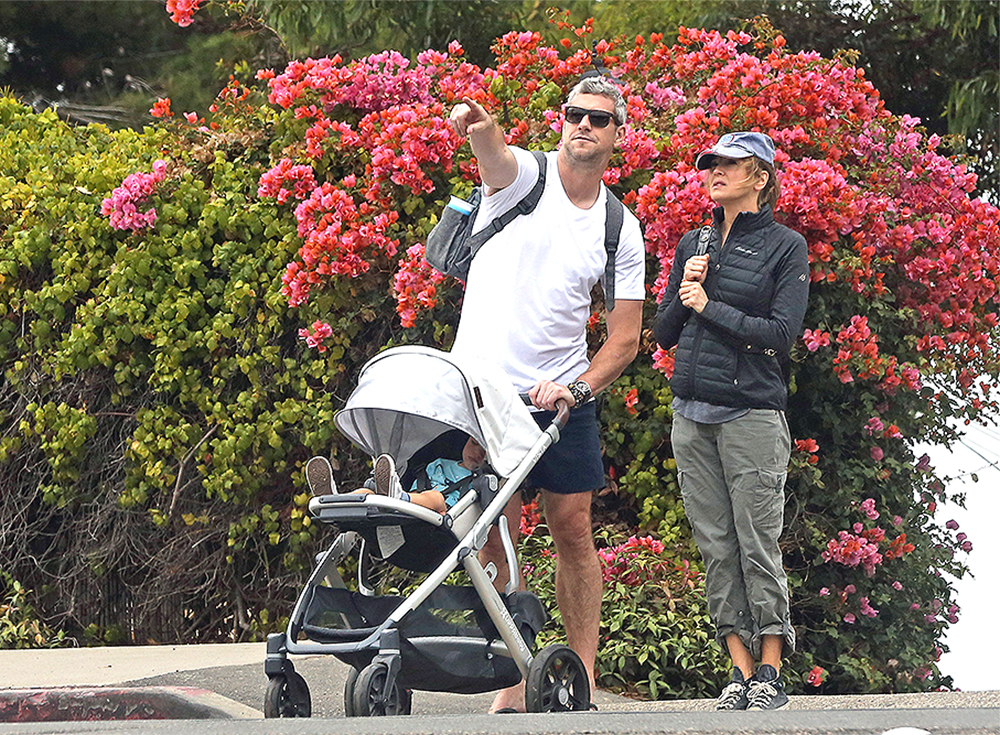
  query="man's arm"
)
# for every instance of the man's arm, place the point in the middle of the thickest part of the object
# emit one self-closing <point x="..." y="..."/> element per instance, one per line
<point x="619" y="349"/>
<point x="497" y="165"/>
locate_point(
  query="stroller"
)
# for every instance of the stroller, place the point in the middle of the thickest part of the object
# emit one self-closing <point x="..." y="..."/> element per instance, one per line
<point x="415" y="403"/>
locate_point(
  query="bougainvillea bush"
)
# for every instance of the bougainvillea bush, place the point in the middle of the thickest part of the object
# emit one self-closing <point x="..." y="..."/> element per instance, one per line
<point x="288" y="227"/>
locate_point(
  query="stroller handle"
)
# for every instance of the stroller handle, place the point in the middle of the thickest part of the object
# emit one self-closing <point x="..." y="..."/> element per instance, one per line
<point x="562" y="410"/>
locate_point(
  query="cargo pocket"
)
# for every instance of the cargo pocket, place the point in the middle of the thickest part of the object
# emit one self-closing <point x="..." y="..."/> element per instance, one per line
<point x="769" y="501"/>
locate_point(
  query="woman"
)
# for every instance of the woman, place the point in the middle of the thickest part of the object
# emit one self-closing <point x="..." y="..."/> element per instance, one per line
<point x="733" y="307"/>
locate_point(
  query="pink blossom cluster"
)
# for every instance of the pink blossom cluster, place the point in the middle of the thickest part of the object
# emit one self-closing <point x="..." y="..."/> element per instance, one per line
<point x="275" y="183"/>
<point x="316" y="335"/>
<point x="868" y="508"/>
<point x="617" y="562"/>
<point x="858" y="350"/>
<point x="936" y="608"/>
<point x="636" y="152"/>
<point x="415" y="284"/>
<point x="182" y="11"/>
<point x="666" y="96"/>
<point x="962" y="538"/>
<point x="374" y="83"/>
<point x="404" y="141"/>
<point x="815" y="338"/>
<point x="338" y="233"/>
<point x="852" y="550"/>
<point x="816" y="676"/>
<point x="125" y="202"/>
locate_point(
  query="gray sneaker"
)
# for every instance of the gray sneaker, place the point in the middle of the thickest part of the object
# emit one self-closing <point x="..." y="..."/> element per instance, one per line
<point x="766" y="690"/>
<point x="319" y="475"/>
<point x="386" y="481"/>
<point x="734" y="695"/>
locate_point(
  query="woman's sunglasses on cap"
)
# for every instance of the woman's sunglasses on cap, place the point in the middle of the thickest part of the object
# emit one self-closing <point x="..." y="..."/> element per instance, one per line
<point x="598" y="118"/>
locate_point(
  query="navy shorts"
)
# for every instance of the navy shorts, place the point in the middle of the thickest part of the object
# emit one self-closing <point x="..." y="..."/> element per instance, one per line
<point x="573" y="464"/>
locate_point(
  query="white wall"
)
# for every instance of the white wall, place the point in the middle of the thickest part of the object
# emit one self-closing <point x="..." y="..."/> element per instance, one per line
<point x="974" y="659"/>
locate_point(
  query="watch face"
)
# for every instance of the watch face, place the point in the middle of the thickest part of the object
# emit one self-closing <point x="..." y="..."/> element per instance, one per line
<point x="580" y="390"/>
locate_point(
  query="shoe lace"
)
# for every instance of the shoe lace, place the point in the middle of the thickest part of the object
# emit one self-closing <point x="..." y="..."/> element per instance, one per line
<point x="731" y="694"/>
<point x="761" y="693"/>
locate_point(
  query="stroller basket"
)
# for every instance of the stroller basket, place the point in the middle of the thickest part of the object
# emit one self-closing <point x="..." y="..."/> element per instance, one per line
<point x="444" y="644"/>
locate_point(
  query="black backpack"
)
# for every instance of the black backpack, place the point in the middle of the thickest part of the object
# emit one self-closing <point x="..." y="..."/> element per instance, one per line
<point x="451" y="246"/>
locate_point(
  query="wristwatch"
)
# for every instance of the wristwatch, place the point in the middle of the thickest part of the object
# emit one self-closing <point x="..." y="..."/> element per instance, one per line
<point x="581" y="391"/>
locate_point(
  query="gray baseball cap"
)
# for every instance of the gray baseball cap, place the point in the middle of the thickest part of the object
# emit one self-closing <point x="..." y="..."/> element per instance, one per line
<point x="738" y="145"/>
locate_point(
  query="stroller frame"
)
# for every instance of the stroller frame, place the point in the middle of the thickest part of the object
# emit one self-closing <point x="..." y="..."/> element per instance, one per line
<point x="555" y="679"/>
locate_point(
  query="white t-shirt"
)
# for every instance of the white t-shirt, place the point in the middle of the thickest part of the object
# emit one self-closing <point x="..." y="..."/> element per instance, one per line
<point x="527" y="298"/>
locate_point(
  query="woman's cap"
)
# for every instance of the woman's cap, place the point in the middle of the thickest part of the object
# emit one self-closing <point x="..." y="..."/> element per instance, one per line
<point x="738" y="145"/>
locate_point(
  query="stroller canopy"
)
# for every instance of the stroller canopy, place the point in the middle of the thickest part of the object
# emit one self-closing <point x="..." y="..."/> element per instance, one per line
<point x="408" y="396"/>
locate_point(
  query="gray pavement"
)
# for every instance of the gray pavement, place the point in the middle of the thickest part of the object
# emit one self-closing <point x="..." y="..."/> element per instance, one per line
<point x="226" y="682"/>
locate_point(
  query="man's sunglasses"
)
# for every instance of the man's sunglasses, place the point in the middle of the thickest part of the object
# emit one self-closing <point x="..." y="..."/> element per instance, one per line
<point x="598" y="118"/>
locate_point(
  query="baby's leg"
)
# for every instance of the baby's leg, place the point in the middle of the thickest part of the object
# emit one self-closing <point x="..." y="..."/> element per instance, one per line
<point x="430" y="499"/>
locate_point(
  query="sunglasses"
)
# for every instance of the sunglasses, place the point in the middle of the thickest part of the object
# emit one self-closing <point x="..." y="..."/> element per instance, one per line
<point x="598" y="118"/>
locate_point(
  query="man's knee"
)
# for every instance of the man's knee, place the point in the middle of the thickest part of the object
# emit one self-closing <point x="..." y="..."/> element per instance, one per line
<point x="569" y="520"/>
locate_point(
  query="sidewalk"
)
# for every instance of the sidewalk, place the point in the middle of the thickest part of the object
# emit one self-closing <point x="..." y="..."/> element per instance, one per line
<point x="228" y="681"/>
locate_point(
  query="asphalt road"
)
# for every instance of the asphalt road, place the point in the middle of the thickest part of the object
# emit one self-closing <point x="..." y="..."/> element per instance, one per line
<point x="240" y="681"/>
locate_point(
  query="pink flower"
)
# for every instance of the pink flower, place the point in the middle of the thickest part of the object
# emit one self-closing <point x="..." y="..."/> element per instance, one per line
<point x="850" y="589"/>
<point x="877" y="454"/>
<point x="123" y="205"/>
<point x="897" y="585"/>
<point x="316" y="334"/>
<point x="868" y="506"/>
<point x="851" y="551"/>
<point x="824" y="592"/>
<point x="816" y="676"/>
<point x="161" y="108"/>
<point x="182" y="11"/>
<point x="867" y="609"/>
<point x="631" y="399"/>
<point x="806" y="445"/>
<point x="874" y="425"/>
<point x="849" y="618"/>
<point x="815" y="339"/>
<point x="952" y="524"/>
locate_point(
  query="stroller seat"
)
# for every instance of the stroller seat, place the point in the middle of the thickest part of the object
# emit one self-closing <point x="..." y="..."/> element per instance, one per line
<point x="401" y="533"/>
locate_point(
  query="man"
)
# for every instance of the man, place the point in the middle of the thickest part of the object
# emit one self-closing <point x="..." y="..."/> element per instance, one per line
<point x="527" y="304"/>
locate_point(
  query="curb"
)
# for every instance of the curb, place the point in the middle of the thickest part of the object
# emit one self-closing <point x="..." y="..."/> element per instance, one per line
<point x="117" y="703"/>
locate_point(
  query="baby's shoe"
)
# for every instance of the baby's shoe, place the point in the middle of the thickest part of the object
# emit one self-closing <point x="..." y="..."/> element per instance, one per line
<point x="319" y="475"/>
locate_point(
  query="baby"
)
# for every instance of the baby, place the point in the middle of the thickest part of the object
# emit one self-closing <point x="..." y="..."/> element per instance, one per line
<point x="442" y="473"/>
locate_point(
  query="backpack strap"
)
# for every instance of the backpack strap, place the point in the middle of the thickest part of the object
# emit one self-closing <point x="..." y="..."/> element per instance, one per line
<point x="525" y="206"/>
<point x="703" y="238"/>
<point x="612" y="233"/>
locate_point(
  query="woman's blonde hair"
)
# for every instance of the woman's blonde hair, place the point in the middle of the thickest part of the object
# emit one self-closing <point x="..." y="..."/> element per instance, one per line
<point x="772" y="189"/>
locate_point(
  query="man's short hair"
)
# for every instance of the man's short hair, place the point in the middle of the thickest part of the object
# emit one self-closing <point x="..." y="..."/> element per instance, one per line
<point x="603" y="87"/>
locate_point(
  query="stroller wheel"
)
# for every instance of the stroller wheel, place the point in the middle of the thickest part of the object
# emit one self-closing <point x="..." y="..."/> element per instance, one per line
<point x="349" y="686"/>
<point x="287" y="696"/>
<point x="557" y="681"/>
<point x="372" y="698"/>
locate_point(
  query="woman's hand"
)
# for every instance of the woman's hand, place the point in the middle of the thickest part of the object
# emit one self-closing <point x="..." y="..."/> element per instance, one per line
<point x="696" y="268"/>
<point x="693" y="295"/>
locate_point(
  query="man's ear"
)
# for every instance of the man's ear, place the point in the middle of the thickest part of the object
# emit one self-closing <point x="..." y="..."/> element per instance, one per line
<point x="619" y="135"/>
